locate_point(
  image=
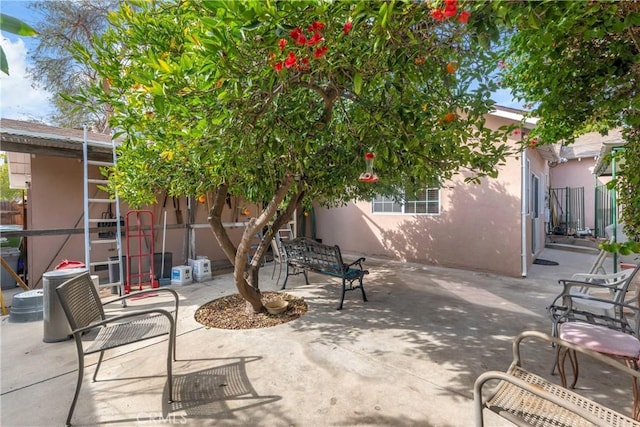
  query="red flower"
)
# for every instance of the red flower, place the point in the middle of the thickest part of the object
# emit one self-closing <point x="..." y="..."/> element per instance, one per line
<point x="278" y="66"/>
<point x="301" y="40"/>
<point x="316" y="26"/>
<point x="463" y="18"/>
<point x="291" y="60"/>
<point x="437" y="14"/>
<point x="305" y="64"/>
<point x="347" y="27"/>
<point x="451" y="2"/>
<point x="450" y="10"/>
<point x="282" y="43"/>
<point x="295" y="33"/>
<point x="319" y="52"/>
<point x="316" y="38"/>
<point x="369" y="156"/>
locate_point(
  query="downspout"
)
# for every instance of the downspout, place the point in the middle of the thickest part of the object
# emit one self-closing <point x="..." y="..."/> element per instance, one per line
<point x="523" y="212"/>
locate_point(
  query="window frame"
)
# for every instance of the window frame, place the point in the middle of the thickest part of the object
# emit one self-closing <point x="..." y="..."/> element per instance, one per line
<point x="402" y="204"/>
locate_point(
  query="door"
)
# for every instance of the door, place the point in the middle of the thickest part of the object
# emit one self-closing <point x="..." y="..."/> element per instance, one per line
<point x="536" y="201"/>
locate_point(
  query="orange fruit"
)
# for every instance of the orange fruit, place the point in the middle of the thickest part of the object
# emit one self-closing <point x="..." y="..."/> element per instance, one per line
<point x="452" y="67"/>
<point x="449" y="117"/>
<point x="246" y="212"/>
<point x="202" y="199"/>
<point x="306" y="214"/>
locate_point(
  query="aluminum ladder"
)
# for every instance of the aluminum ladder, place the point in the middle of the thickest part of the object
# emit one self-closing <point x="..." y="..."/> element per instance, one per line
<point x="95" y="196"/>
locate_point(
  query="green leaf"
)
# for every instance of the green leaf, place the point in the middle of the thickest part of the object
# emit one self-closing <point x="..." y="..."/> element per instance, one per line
<point x="15" y="26"/>
<point x="164" y="65"/>
<point x="357" y="83"/>
<point x="4" y="65"/>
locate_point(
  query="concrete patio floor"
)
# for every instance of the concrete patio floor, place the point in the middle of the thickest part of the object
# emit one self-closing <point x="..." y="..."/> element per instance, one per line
<point x="408" y="357"/>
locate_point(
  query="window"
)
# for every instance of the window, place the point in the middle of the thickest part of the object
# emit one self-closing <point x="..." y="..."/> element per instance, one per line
<point x="422" y="202"/>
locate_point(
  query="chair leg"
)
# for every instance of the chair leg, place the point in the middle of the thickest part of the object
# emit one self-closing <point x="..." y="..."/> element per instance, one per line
<point x="633" y="364"/>
<point x="279" y="272"/>
<point x="171" y="350"/>
<point x="286" y="277"/>
<point x="274" y="268"/>
<point x="78" y="383"/>
<point x="554" y="333"/>
<point x="573" y="357"/>
<point x="95" y="374"/>
<point x="562" y="355"/>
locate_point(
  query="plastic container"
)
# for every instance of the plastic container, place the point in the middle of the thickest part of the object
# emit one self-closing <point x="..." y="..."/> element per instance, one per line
<point x="10" y="242"/>
<point x="27" y="306"/>
<point x="201" y="269"/>
<point x="56" y="325"/>
<point x="181" y="275"/>
<point x="11" y="256"/>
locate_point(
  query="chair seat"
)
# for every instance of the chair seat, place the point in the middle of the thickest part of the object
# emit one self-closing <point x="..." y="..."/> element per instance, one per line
<point x="118" y="334"/>
<point x="601" y="339"/>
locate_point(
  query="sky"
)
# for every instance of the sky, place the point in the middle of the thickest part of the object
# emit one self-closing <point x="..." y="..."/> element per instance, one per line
<point x="21" y="100"/>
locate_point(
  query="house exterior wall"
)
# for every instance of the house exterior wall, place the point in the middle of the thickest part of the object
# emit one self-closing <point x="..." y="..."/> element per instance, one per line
<point x="479" y="226"/>
<point x="578" y="173"/>
<point x="56" y="201"/>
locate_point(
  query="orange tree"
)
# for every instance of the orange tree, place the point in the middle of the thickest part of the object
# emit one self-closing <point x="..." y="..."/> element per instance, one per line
<point x="278" y="103"/>
<point x="578" y="65"/>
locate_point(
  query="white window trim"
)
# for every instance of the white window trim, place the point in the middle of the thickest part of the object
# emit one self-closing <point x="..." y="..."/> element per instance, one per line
<point x="402" y="204"/>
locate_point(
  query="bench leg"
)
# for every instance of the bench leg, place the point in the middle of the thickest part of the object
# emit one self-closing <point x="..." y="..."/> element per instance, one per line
<point x="344" y="291"/>
<point x="364" y="296"/>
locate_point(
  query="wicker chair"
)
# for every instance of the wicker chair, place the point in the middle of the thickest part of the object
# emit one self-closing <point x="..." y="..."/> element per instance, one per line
<point x="85" y="312"/>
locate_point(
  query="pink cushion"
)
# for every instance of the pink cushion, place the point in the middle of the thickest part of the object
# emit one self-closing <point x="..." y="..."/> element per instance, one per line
<point x="601" y="339"/>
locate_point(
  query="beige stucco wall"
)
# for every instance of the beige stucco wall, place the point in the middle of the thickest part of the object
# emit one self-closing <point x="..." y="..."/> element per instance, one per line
<point x="479" y="227"/>
<point x="56" y="202"/>
<point x="578" y="173"/>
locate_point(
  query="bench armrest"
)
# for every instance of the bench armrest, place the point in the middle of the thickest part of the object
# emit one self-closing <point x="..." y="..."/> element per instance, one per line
<point x="357" y="262"/>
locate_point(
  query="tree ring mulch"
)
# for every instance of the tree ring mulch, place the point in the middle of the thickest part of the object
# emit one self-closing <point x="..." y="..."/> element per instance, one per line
<point x="231" y="312"/>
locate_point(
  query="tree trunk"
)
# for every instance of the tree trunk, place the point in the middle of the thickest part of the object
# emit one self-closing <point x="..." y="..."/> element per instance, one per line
<point x="245" y="272"/>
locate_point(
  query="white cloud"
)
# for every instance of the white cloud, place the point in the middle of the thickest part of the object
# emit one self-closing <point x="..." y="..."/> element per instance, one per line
<point x="19" y="100"/>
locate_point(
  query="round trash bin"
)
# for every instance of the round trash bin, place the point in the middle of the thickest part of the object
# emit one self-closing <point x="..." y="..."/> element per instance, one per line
<point x="11" y="256"/>
<point x="26" y="306"/>
<point x="56" y="326"/>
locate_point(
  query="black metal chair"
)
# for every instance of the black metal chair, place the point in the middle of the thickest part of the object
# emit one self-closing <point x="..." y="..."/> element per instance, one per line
<point x="84" y="310"/>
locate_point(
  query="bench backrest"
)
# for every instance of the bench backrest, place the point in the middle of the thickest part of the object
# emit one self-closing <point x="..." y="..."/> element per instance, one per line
<point x="314" y="255"/>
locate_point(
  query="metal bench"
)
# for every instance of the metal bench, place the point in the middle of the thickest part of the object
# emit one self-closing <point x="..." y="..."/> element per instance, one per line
<point x="304" y="255"/>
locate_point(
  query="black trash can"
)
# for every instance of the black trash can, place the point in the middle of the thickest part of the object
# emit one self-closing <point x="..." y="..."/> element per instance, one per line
<point x="157" y="265"/>
<point x="56" y="325"/>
